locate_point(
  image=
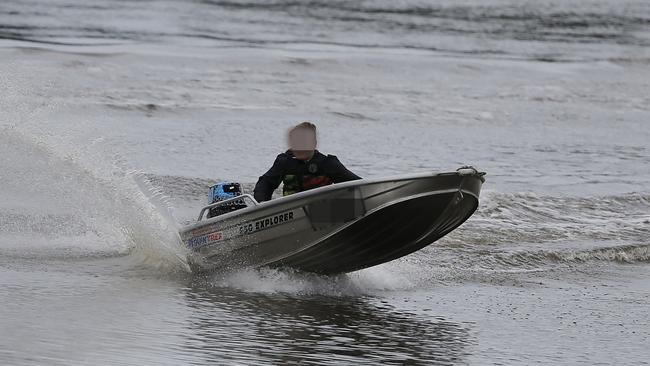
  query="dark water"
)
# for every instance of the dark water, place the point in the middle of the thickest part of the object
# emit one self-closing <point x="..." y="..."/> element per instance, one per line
<point x="491" y="27"/>
<point x="116" y="115"/>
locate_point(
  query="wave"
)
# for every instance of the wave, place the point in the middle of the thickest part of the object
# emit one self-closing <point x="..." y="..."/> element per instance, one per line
<point x="531" y="218"/>
<point x="448" y="28"/>
<point x="27" y="39"/>
<point x="523" y="22"/>
<point x="286" y="280"/>
<point x="426" y="269"/>
<point x="66" y="200"/>
<point x="624" y="254"/>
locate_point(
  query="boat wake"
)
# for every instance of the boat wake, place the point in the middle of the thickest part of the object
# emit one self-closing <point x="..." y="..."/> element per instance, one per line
<point x="516" y="218"/>
<point x="64" y="201"/>
<point x="510" y="233"/>
<point x="289" y="281"/>
<point x="619" y="254"/>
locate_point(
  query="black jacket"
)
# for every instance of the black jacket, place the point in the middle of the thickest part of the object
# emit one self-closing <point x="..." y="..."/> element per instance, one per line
<point x="299" y="175"/>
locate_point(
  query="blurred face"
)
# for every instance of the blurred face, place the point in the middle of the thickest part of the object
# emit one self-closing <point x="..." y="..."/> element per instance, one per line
<point x="302" y="143"/>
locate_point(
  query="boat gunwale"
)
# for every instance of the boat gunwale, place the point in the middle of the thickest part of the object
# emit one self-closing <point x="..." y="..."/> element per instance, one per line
<point x="331" y="188"/>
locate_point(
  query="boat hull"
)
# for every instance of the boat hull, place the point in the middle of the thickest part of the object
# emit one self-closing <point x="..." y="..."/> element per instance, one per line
<point x="339" y="228"/>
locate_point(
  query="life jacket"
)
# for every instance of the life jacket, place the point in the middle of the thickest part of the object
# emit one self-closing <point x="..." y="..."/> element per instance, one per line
<point x="298" y="183"/>
<point x="310" y="176"/>
<point x="298" y="176"/>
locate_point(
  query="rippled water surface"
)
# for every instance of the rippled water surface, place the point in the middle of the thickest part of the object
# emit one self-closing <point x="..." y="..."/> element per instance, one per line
<point x="116" y="116"/>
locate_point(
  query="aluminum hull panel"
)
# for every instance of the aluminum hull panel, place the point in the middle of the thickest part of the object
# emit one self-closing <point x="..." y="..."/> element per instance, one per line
<point x="338" y="228"/>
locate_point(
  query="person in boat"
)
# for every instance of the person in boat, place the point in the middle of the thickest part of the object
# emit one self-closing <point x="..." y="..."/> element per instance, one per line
<point x="302" y="167"/>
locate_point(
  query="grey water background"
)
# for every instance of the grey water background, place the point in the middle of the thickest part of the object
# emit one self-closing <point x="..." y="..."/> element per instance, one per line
<point x="116" y="115"/>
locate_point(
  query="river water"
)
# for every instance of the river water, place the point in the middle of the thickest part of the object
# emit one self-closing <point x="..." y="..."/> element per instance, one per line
<point x="115" y="116"/>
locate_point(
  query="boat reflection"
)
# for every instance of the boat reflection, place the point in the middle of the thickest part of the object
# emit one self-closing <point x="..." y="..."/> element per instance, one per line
<point x="232" y="326"/>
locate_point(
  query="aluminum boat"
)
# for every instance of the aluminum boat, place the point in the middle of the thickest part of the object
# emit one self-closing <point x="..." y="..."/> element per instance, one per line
<point x="338" y="228"/>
